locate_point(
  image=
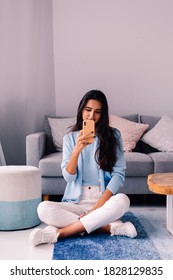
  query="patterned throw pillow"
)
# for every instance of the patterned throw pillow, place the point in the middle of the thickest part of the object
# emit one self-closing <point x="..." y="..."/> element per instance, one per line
<point x="131" y="132"/>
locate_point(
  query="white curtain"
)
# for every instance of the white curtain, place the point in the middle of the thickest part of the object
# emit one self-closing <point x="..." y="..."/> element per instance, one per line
<point x="26" y="72"/>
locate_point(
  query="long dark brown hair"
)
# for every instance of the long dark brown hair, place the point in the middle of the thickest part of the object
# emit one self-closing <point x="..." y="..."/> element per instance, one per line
<point x="106" y="152"/>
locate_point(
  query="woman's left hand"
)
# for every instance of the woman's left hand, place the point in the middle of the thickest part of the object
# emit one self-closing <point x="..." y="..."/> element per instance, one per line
<point x="105" y="196"/>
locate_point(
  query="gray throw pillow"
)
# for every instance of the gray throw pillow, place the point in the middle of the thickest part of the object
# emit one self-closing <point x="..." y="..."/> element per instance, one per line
<point x="160" y="136"/>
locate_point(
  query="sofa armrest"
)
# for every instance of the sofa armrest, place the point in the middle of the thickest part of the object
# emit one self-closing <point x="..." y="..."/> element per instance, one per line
<point x="35" y="148"/>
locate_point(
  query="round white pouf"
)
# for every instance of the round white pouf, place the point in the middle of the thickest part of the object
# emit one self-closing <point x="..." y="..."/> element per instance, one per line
<point x="20" y="194"/>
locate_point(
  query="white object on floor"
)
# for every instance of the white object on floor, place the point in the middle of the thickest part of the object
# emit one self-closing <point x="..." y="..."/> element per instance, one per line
<point x="169" y="213"/>
<point x="2" y="158"/>
<point x="20" y="194"/>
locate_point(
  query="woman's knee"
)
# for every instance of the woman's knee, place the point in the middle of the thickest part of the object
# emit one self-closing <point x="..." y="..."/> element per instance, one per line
<point x="42" y="210"/>
<point x="49" y="212"/>
<point x="123" y="200"/>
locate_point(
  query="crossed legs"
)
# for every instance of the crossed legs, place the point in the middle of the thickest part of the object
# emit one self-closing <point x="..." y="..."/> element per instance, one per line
<point x="66" y="216"/>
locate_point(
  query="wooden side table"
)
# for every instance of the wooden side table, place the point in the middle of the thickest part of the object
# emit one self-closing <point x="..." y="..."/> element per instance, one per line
<point x="162" y="183"/>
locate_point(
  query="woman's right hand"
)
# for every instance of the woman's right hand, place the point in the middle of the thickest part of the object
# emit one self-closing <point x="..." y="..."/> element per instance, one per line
<point x="82" y="142"/>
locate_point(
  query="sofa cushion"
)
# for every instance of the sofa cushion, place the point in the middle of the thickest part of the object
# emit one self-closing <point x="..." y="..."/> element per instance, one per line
<point x="163" y="161"/>
<point x="138" y="164"/>
<point x="131" y="117"/>
<point x="161" y="135"/>
<point x="59" y="127"/>
<point x="150" y="120"/>
<point x="134" y="118"/>
<point x="131" y="132"/>
<point x="50" y="147"/>
<point x="50" y="165"/>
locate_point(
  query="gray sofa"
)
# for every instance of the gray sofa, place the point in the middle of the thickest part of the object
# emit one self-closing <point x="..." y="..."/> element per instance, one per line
<point x="143" y="160"/>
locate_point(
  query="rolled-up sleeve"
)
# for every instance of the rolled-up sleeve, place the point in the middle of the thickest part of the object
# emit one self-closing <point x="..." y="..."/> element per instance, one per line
<point x="68" y="145"/>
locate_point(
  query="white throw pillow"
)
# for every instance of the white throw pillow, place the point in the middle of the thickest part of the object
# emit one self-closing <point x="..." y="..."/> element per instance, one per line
<point x="59" y="127"/>
<point x="160" y="136"/>
<point x="131" y="132"/>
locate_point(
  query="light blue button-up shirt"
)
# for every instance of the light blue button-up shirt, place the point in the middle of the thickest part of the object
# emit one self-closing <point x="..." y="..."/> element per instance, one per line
<point x="108" y="180"/>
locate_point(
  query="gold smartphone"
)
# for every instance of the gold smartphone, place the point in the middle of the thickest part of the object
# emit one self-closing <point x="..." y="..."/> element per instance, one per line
<point x="88" y="127"/>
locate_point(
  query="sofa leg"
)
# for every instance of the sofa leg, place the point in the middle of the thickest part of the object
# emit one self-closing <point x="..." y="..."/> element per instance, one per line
<point x="45" y="197"/>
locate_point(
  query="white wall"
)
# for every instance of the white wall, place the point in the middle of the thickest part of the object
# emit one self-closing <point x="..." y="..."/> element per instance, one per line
<point x="27" y="72"/>
<point x="123" y="47"/>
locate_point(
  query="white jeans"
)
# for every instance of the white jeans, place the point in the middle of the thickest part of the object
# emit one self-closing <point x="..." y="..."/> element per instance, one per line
<point x="60" y="214"/>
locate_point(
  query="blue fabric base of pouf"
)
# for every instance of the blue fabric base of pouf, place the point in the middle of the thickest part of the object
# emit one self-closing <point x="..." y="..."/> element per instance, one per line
<point x="19" y="215"/>
<point x="20" y="195"/>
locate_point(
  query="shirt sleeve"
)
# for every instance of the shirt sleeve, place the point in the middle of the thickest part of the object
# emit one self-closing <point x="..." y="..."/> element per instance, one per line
<point x="117" y="176"/>
<point x="68" y="145"/>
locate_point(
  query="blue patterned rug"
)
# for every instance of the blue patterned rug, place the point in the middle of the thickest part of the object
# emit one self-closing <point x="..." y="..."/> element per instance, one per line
<point x="106" y="247"/>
